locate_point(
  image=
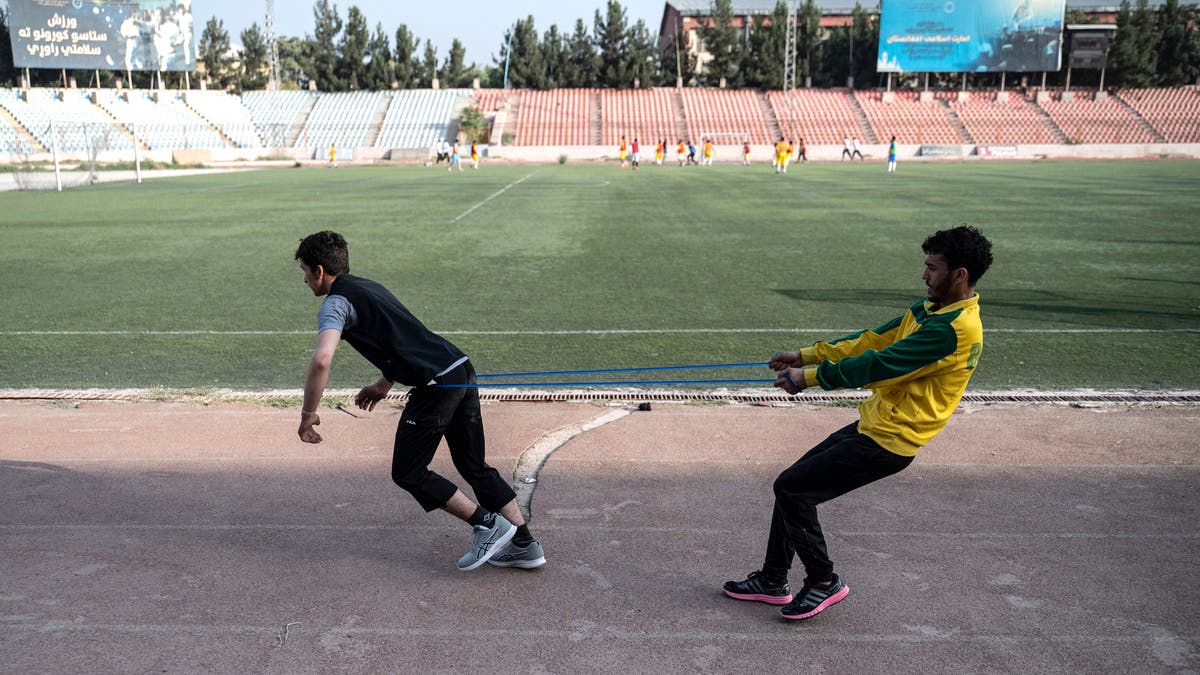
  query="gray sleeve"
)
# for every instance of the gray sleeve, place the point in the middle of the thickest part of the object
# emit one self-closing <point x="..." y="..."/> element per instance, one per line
<point x="336" y="313"/>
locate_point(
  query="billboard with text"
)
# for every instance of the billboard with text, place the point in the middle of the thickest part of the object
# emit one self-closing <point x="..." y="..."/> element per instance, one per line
<point x="102" y="34"/>
<point x="973" y="36"/>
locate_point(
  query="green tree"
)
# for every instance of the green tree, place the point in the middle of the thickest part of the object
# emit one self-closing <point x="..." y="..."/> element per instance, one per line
<point x="429" y="65"/>
<point x="352" y="59"/>
<point x="294" y="62"/>
<point x="643" y="57"/>
<point x="554" y="58"/>
<point x="581" y="65"/>
<point x="808" y="40"/>
<point x="474" y="126"/>
<point x="380" y="73"/>
<point x="1177" y="50"/>
<point x="1133" y="57"/>
<point x="766" y="50"/>
<point x="720" y="39"/>
<point x="864" y="47"/>
<point x="676" y="61"/>
<point x="323" y="52"/>
<point x="253" y="73"/>
<point x="611" y="35"/>
<point x="454" y="72"/>
<point x="214" y="52"/>
<point x="8" y="72"/>
<point x="523" y="53"/>
<point x="407" y="63"/>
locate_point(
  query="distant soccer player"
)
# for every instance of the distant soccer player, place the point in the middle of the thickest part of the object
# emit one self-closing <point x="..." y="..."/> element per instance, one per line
<point x="691" y="156"/>
<point x="780" y="151"/>
<point x="681" y="152"/>
<point x="746" y="153"/>
<point x="659" y="149"/>
<point x="378" y="326"/>
<point x="708" y="151"/>
<point x="802" y="151"/>
<point x="788" y="147"/>
<point x="892" y="156"/>
<point x="622" y="149"/>
<point x="332" y="155"/>
<point x="846" y="149"/>
<point x="455" y="158"/>
<point x="474" y="155"/>
<point x="858" y="152"/>
<point x="917" y="367"/>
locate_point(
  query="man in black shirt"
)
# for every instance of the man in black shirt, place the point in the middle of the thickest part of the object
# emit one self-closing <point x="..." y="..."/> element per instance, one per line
<point x="378" y="326"/>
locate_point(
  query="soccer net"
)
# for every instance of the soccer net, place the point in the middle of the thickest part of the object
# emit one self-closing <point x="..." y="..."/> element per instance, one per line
<point x="66" y="159"/>
<point x="726" y="137"/>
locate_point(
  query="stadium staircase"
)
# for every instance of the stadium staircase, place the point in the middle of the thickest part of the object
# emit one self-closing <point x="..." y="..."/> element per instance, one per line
<point x="293" y="134"/>
<point x="963" y="132"/>
<point x="1141" y="121"/>
<point x="864" y="124"/>
<point x="21" y="132"/>
<point x="773" y="127"/>
<point x="377" y="121"/>
<point x="120" y="128"/>
<point x="681" y="123"/>
<point x="597" y="121"/>
<point x="1060" y="136"/>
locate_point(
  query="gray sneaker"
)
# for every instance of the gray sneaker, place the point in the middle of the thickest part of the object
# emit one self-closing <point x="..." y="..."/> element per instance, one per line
<point x="527" y="557"/>
<point x="487" y="542"/>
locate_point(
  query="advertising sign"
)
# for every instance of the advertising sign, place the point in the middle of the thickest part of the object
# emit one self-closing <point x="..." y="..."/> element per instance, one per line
<point x="973" y="36"/>
<point x="102" y="34"/>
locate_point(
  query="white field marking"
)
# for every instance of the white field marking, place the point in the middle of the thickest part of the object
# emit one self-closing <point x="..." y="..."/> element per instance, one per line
<point x="592" y="527"/>
<point x="534" y="457"/>
<point x="574" y="635"/>
<point x="586" y="331"/>
<point x="499" y="192"/>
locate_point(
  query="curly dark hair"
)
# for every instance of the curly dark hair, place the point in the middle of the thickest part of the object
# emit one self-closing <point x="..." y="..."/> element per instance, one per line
<point x="327" y="249"/>
<point x="962" y="246"/>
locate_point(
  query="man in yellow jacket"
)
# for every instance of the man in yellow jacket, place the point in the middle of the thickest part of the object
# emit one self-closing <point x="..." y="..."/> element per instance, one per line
<point x="917" y="367"/>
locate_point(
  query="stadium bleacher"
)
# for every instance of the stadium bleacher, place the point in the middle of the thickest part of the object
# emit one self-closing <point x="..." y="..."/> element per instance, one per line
<point x="1174" y="112"/>
<point x="819" y="116"/>
<point x="86" y="120"/>
<point x="556" y="117"/>
<point x="908" y="117"/>
<point x="726" y="111"/>
<point x="165" y="124"/>
<point x="991" y="121"/>
<point x="418" y="118"/>
<point x="1085" y="120"/>
<point x="645" y="114"/>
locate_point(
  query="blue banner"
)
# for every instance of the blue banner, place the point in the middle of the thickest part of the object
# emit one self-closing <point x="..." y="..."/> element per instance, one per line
<point x="974" y="36"/>
<point x="102" y="34"/>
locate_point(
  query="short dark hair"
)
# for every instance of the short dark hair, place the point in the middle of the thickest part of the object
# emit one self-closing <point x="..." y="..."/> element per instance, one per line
<point x="962" y="246"/>
<point x="327" y="249"/>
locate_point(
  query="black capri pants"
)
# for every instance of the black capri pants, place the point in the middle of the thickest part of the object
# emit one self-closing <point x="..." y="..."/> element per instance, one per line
<point x="433" y="413"/>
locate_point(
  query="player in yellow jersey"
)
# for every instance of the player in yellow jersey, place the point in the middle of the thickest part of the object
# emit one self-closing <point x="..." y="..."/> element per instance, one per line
<point x="622" y="149"/>
<point x="917" y="367"/>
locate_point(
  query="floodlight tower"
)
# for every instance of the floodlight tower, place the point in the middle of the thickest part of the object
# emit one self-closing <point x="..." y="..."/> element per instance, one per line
<point x="272" y="49"/>
<point x="789" y="64"/>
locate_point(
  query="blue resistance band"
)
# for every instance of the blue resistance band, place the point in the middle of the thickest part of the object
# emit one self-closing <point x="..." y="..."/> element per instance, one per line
<point x="544" y="373"/>
<point x="610" y="383"/>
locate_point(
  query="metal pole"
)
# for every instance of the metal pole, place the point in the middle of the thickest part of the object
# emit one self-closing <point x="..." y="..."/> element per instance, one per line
<point x="137" y="156"/>
<point x="54" y="149"/>
<point x="507" y="57"/>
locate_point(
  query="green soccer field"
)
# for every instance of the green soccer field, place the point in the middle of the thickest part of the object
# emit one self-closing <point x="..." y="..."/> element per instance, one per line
<point x="189" y="283"/>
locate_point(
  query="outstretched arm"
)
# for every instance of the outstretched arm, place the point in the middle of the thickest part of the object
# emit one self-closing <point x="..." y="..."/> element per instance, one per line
<point x="314" y="383"/>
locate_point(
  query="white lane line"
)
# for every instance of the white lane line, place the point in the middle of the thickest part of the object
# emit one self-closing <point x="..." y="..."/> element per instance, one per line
<point x="595" y="527"/>
<point x="582" y="633"/>
<point x="594" y="331"/>
<point x="501" y="191"/>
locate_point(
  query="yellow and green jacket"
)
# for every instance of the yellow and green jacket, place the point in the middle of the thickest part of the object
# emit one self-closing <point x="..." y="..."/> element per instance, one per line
<point x="916" y="366"/>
